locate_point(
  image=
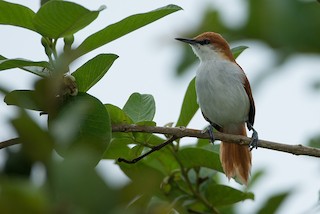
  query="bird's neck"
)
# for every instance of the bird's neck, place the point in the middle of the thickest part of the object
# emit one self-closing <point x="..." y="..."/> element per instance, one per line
<point x="215" y="57"/>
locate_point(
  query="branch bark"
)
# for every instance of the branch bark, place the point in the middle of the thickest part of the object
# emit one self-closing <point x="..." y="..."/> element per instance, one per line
<point x="181" y="132"/>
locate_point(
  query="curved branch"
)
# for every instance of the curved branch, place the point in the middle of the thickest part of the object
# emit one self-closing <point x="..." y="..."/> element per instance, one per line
<point x="153" y="149"/>
<point x="181" y="132"/>
<point x="8" y="143"/>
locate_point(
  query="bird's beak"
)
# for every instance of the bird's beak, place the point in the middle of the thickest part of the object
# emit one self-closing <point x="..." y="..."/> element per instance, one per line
<point x="189" y="41"/>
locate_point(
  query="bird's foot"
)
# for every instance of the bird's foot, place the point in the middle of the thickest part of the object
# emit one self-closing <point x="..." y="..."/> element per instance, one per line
<point x="209" y="129"/>
<point x="254" y="138"/>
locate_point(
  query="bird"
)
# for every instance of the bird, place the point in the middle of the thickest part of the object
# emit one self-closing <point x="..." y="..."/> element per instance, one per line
<point x="225" y="99"/>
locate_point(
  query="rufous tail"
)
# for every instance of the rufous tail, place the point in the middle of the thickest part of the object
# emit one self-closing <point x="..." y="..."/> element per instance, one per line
<point x="235" y="158"/>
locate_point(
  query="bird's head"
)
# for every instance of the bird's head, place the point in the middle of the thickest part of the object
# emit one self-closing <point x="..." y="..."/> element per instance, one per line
<point x="209" y="45"/>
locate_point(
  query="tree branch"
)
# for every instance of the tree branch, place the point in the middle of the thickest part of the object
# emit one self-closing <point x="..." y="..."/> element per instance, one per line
<point x="180" y="132"/>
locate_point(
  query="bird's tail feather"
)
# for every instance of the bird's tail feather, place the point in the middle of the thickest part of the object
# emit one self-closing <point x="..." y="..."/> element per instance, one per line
<point x="235" y="158"/>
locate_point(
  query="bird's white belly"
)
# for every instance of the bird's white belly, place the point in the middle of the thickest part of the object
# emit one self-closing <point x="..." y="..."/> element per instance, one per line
<point x="221" y="94"/>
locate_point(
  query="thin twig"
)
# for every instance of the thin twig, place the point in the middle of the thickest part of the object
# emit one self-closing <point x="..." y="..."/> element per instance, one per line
<point x="153" y="149"/>
<point x="8" y="143"/>
<point x="181" y="132"/>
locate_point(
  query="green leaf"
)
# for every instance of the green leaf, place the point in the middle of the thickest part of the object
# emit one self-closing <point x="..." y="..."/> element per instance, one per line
<point x="122" y="28"/>
<point x="140" y="107"/>
<point x="141" y="137"/>
<point x="42" y="98"/>
<point x="197" y="157"/>
<point x="16" y="15"/>
<point x="145" y="181"/>
<point x="140" y="171"/>
<point x="220" y="195"/>
<point x="38" y="145"/>
<point x="37" y="68"/>
<point x="135" y="151"/>
<point x="273" y="203"/>
<point x="17" y="163"/>
<point x="118" y="148"/>
<point x="57" y="19"/>
<point x="162" y="160"/>
<point x="21" y="196"/>
<point x="199" y="207"/>
<point x="71" y="178"/>
<point x="81" y="122"/>
<point x="154" y="140"/>
<point x="117" y="115"/>
<point x="236" y="51"/>
<point x="23" y="98"/>
<point x="93" y="70"/>
<point x="189" y="105"/>
<point x="315" y="142"/>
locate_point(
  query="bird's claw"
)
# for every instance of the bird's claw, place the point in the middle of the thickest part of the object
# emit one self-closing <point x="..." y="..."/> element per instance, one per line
<point x="254" y="138"/>
<point x="209" y="129"/>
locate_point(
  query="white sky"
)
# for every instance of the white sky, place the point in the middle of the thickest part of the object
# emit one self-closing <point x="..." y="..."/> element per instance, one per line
<point x="287" y="108"/>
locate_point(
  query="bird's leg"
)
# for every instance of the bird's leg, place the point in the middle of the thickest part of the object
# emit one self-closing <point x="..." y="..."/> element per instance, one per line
<point x="254" y="138"/>
<point x="209" y="129"/>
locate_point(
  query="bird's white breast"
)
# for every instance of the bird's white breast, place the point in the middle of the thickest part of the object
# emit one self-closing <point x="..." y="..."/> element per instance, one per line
<point x="220" y="91"/>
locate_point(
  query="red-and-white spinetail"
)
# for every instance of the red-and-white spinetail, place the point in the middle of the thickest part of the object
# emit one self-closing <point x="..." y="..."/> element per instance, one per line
<point x="225" y="99"/>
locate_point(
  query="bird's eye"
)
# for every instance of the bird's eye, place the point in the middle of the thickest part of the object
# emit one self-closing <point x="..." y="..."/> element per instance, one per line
<point x="205" y="42"/>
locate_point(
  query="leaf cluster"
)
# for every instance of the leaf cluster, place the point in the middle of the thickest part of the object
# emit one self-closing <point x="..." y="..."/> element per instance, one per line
<point x="183" y="179"/>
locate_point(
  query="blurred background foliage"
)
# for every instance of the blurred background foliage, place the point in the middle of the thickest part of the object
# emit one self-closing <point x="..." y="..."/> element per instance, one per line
<point x="288" y="27"/>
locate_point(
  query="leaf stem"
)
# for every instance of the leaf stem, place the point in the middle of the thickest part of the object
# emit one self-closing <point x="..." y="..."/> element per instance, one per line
<point x="54" y="49"/>
<point x="195" y="193"/>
